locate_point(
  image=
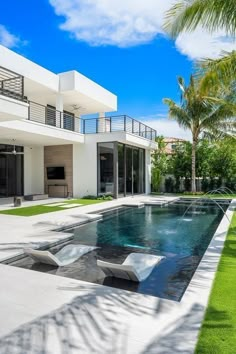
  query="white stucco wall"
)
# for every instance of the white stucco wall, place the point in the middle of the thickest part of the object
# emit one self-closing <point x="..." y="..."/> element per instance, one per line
<point x="72" y="81"/>
<point x="148" y="171"/>
<point x="34" y="170"/>
<point x="23" y="66"/>
<point x="11" y="109"/>
<point x="84" y="169"/>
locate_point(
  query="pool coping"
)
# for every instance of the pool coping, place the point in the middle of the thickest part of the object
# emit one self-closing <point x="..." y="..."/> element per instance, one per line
<point x="199" y="289"/>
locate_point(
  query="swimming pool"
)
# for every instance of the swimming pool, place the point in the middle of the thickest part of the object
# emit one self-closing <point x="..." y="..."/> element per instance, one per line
<point x="182" y="237"/>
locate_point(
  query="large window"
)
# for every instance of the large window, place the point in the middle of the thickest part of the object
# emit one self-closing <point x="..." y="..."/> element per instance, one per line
<point x="121" y="169"/>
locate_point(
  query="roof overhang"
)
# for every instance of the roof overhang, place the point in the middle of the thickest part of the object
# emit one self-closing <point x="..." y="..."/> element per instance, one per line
<point x="90" y="97"/>
<point x="35" y="134"/>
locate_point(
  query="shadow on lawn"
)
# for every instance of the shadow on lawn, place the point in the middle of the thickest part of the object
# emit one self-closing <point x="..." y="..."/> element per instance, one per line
<point x="216" y="319"/>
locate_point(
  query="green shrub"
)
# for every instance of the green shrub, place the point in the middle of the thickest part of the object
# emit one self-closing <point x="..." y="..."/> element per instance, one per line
<point x="93" y="197"/>
<point x="100" y="197"/>
<point x="191" y="193"/>
<point x="169" y="185"/>
<point x="105" y="197"/>
<point x="187" y="184"/>
<point x="205" y="185"/>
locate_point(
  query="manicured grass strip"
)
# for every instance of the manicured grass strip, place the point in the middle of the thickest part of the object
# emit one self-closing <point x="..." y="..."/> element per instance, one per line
<point x="31" y="211"/>
<point x="218" y="332"/>
<point x="84" y="201"/>
<point x="43" y="209"/>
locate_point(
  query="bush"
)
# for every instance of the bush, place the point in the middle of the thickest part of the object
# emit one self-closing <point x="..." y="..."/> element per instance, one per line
<point x="205" y="185"/>
<point x="105" y="197"/>
<point x="92" y="197"/>
<point x="212" y="184"/>
<point x="177" y="185"/>
<point x="169" y="185"/>
<point x="231" y="184"/>
<point x="187" y="185"/>
<point x="191" y="193"/>
<point x="156" y="179"/>
<point x="100" y="197"/>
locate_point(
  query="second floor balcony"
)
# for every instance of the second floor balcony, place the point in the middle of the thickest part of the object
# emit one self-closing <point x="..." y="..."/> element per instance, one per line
<point x="11" y="84"/>
<point x="48" y="115"/>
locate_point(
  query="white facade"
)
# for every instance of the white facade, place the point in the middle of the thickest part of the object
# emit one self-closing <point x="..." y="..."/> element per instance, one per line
<point x="40" y="109"/>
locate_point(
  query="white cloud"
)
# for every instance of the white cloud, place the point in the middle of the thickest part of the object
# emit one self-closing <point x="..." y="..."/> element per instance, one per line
<point x="126" y="23"/>
<point x="122" y="23"/>
<point x="166" y="127"/>
<point x="8" y="39"/>
<point x="200" y="44"/>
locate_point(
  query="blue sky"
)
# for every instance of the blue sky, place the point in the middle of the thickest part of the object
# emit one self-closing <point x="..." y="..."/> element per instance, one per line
<point x="118" y="44"/>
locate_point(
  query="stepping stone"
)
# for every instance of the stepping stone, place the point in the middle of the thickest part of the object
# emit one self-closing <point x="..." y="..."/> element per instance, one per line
<point x="68" y="206"/>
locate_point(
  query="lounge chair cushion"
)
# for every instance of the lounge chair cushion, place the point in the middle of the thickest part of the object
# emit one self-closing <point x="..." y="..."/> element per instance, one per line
<point x="137" y="266"/>
<point x="65" y="256"/>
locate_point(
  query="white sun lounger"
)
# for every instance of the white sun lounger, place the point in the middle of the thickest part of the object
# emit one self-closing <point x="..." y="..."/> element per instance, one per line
<point x="136" y="267"/>
<point x="65" y="256"/>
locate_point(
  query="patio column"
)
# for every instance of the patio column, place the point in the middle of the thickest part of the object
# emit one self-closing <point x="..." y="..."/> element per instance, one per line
<point x="101" y="126"/>
<point x="148" y="171"/>
<point x="59" y="107"/>
<point x="78" y="124"/>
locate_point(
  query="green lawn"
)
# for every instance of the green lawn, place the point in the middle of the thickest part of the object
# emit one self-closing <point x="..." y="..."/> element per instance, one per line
<point x="218" y="332"/>
<point x="43" y="209"/>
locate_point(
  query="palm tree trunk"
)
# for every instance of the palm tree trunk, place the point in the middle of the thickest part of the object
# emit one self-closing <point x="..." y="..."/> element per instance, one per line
<point x="194" y="145"/>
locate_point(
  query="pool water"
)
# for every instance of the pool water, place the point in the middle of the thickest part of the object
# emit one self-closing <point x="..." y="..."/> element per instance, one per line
<point x="182" y="237"/>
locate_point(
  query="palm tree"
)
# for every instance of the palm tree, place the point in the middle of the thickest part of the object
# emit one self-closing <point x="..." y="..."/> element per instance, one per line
<point x="201" y="112"/>
<point x="212" y="15"/>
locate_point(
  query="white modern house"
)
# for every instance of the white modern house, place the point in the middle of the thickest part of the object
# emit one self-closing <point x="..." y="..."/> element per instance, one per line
<point x="48" y="146"/>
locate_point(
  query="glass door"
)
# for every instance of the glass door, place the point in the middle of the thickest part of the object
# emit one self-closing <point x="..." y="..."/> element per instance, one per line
<point x="129" y="170"/>
<point x="3" y="175"/>
<point x="121" y="169"/>
<point x="11" y="171"/>
<point x="106" y="176"/>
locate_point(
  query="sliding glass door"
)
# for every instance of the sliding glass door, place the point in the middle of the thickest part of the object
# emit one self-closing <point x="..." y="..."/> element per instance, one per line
<point x="106" y="168"/>
<point x="11" y="171"/>
<point x="129" y="170"/>
<point x="121" y="169"/>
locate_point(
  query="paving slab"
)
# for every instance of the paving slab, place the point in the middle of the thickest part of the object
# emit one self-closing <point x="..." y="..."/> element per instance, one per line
<point x="55" y="204"/>
<point x="68" y="206"/>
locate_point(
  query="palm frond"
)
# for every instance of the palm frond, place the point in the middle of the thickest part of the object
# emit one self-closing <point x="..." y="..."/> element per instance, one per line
<point x="218" y="72"/>
<point x="178" y="113"/>
<point x="212" y="15"/>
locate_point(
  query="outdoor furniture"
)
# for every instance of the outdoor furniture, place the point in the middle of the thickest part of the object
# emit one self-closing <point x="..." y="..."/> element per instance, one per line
<point x="137" y="267"/>
<point x="17" y="201"/>
<point x="65" y="256"/>
<point x="61" y="187"/>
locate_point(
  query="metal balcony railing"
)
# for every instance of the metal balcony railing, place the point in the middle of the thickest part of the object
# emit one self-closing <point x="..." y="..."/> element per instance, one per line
<point x="50" y="116"/>
<point x="119" y="124"/>
<point x="11" y="84"/>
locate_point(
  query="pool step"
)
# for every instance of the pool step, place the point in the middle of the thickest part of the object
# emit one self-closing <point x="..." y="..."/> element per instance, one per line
<point x="134" y="204"/>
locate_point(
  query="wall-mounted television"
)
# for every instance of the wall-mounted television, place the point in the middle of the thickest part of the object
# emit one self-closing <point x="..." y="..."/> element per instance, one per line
<point x="56" y="172"/>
